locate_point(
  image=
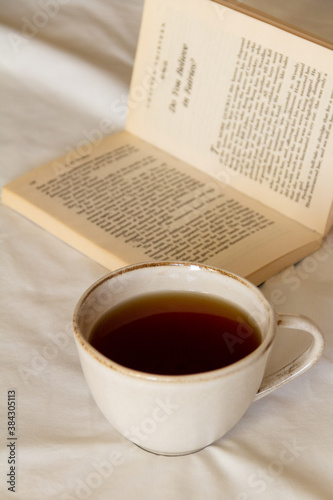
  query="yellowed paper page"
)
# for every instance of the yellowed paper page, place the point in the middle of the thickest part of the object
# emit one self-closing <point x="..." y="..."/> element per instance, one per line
<point x="242" y="100"/>
<point x="128" y="202"/>
<point x="308" y="20"/>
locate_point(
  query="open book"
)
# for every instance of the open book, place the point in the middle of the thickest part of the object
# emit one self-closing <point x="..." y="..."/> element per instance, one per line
<point x="227" y="154"/>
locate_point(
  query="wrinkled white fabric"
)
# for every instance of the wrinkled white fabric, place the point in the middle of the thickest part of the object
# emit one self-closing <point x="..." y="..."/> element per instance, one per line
<point x="65" y="66"/>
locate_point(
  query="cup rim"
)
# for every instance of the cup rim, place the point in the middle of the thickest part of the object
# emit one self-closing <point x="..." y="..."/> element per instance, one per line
<point x="265" y="344"/>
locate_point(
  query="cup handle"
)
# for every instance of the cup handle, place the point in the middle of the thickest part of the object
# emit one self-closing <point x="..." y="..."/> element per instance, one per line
<point x="299" y="365"/>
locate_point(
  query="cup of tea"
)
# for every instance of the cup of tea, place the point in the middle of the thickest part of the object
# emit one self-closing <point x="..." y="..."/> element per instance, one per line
<point x="174" y="353"/>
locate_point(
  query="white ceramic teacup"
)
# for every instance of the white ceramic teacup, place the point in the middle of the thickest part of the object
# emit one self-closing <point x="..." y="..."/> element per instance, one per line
<point x="181" y="414"/>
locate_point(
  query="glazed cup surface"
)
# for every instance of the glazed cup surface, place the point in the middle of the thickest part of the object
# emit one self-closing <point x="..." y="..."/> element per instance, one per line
<point x="173" y="414"/>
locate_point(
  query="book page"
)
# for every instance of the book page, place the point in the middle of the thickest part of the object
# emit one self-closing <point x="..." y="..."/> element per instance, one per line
<point x="128" y="202"/>
<point x="248" y="103"/>
<point x="310" y="19"/>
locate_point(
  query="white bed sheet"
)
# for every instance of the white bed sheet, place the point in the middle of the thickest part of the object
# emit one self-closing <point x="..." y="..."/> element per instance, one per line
<point x="65" y="65"/>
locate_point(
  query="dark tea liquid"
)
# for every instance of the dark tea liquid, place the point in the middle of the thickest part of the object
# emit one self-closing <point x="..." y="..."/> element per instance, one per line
<point x="175" y="333"/>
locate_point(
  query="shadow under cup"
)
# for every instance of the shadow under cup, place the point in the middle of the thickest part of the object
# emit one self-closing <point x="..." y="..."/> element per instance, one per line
<point x="172" y="414"/>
